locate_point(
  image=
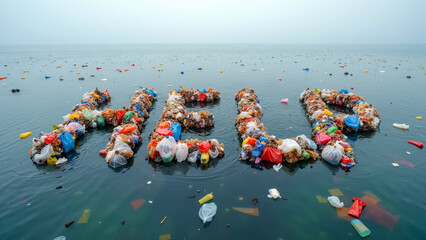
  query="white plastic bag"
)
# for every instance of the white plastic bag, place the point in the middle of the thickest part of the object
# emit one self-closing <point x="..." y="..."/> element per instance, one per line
<point x="335" y="202"/>
<point x="305" y="142"/>
<point x="45" y="153"/>
<point x="181" y="152"/>
<point x="333" y="154"/>
<point x="207" y="212"/>
<point x="117" y="161"/>
<point x="167" y="148"/>
<point x="273" y="193"/>
<point x="288" y="145"/>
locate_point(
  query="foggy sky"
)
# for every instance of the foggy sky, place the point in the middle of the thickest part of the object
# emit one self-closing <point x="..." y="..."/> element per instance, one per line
<point x="212" y="21"/>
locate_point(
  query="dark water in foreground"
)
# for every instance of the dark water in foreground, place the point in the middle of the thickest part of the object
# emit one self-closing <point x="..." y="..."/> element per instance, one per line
<point x="32" y="208"/>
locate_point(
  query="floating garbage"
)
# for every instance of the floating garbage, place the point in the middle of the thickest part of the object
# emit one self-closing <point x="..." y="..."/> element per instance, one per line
<point x="356" y="207"/>
<point x="61" y="161"/>
<point x="328" y="127"/>
<point x="206" y="198"/>
<point x="277" y="167"/>
<point x="207" y="212"/>
<point x="62" y="138"/>
<point x="85" y="217"/>
<point x="249" y="211"/>
<point x="305" y="69"/>
<point x="273" y="193"/>
<point x="285" y="100"/>
<point x="25" y="135"/>
<point x="401" y="126"/>
<point x="46" y="77"/>
<point x="130" y="121"/>
<point x="68" y="224"/>
<point x="419" y="118"/>
<point x="257" y="144"/>
<point x="137" y="203"/>
<point x="2" y="78"/>
<point x="335" y="202"/>
<point x="60" y="238"/>
<point x="417" y="144"/>
<point x="165" y="144"/>
<point x="361" y="229"/>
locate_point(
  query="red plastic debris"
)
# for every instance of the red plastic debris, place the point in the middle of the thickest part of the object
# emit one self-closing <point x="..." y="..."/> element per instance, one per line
<point x="49" y="139"/>
<point x="357" y="207"/>
<point x="272" y="155"/>
<point x="204" y="146"/>
<point x="202" y="97"/>
<point x="322" y="138"/>
<point x="164" y="132"/>
<point x="138" y="203"/>
<point x="120" y="113"/>
<point x="417" y="144"/>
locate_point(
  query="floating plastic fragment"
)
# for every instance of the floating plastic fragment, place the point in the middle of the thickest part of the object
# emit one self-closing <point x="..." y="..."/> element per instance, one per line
<point x="277" y="167"/>
<point x="273" y="193"/>
<point x="25" y="135"/>
<point x="401" y="126"/>
<point x="335" y="192"/>
<point x="85" y="217"/>
<point x="138" y="203"/>
<point x="206" y="198"/>
<point x="335" y="202"/>
<point x="285" y="100"/>
<point x="249" y="211"/>
<point x="417" y="144"/>
<point x="361" y="229"/>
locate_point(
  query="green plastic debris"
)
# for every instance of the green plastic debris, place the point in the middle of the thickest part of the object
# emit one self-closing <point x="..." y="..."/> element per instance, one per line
<point x="55" y="127"/>
<point x="332" y="130"/>
<point x="100" y="121"/>
<point x="128" y="115"/>
<point x="306" y="154"/>
<point x="87" y="114"/>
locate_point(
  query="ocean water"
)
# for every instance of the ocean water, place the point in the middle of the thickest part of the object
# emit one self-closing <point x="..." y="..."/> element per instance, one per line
<point x="32" y="208"/>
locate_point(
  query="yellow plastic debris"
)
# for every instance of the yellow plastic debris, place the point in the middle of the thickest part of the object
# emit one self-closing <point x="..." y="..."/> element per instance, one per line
<point x="78" y="73"/>
<point x="51" y="160"/>
<point x="366" y="71"/>
<point x="221" y="71"/>
<point x="25" y="135"/>
<point x="419" y="118"/>
<point x="74" y="116"/>
<point x="321" y="199"/>
<point x="326" y="111"/>
<point x="85" y="217"/>
<point x="165" y="237"/>
<point x="335" y="192"/>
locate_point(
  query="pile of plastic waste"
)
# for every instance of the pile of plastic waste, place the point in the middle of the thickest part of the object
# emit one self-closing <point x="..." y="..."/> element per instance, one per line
<point x="327" y="127"/>
<point x="202" y="95"/>
<point x="166" y="145"/>
<point x="366" y="118"/>
<point x="257" y="145"/>
<point x="130" y="120"/>
<point x="62" y="138"/>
